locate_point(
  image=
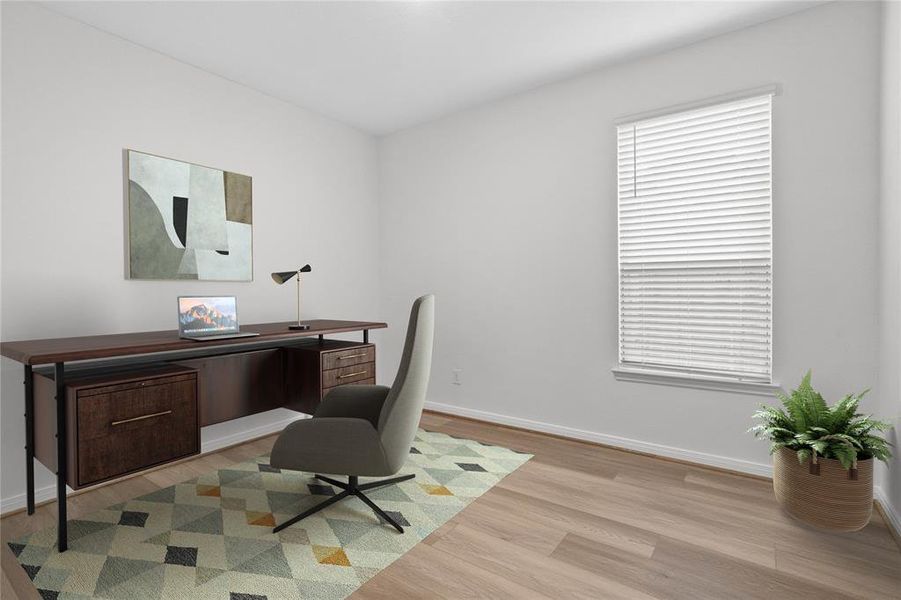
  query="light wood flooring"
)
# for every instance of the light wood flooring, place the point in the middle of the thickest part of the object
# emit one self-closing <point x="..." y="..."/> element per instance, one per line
<point x="582" y="521"/>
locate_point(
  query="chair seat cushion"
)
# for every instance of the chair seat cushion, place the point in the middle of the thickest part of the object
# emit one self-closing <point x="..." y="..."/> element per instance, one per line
<point x="337" y="445"/>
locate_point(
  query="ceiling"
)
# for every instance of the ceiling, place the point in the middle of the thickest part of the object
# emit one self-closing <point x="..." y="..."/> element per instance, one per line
<point x="385" y="66"/>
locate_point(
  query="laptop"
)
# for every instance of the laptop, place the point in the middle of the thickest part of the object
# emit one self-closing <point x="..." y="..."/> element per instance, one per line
<point x="205" y="318"/>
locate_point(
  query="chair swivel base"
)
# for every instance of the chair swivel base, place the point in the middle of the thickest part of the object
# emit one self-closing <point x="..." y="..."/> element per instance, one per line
<point x="351" y="488"/>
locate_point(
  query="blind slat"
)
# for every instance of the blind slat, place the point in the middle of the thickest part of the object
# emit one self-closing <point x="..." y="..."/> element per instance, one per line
<point x="679" y="195"/>
<point x="700" y="136"/>
<point x="736" y="215"/>
<point x="711" y="341"/>
<point x="737" y="171"/>
<point x="696" y="156"/>
<point x="720" y="144"/>
<point x="701" y="114"/>
<point x="649" y="135"/>
<point x="701" y="233"/>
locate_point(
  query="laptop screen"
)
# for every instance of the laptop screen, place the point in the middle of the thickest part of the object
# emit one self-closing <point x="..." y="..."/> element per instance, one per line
<point x="207" y="315"/>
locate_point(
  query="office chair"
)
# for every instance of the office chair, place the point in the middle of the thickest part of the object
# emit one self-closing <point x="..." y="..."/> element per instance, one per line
<point x="364" y="430"/>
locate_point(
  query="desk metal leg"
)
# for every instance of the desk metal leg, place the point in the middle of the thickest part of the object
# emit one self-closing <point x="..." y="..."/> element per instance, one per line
<point x="29" y="439"/>
<point x="365" y="336"/>
<point x="59" y="376"/>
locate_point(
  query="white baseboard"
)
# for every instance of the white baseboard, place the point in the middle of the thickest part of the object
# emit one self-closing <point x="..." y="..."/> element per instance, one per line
<point x="888" y="510"/>
<point x="248" y="434"/>
<point x="43" y="494"/>
<point x="711" y="460"/>
<point x="17" y="501"/>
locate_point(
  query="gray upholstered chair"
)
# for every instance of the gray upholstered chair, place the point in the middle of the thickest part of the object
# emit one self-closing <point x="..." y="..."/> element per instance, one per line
<point x="364" y="430"/>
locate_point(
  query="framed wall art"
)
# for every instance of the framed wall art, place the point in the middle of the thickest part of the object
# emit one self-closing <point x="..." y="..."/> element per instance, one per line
<point x="187" y="221"/>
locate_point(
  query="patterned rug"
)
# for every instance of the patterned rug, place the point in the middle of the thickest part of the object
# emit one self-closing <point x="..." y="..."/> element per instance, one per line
<point x="211" y="537"/>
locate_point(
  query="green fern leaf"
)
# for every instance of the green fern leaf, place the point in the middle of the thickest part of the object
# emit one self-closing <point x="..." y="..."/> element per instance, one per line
<point x="806" y="424"/>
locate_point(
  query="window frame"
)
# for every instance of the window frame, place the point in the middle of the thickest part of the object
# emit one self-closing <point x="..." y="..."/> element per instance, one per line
<point x="673" y="376"/>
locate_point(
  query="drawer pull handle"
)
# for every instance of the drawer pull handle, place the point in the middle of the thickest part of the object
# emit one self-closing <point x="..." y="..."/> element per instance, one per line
<point x="141" y="418"/>
<point x="351" y="375"/>
<point x="361" y="354"/>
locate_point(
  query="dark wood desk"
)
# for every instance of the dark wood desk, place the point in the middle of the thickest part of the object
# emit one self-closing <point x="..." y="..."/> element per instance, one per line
<point x="134" y="349"/>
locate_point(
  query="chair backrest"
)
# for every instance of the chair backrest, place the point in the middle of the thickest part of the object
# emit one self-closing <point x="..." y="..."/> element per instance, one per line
<point x="399" y="419"/>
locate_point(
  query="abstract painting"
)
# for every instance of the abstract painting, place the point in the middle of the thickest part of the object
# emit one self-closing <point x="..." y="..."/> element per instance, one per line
<point x="186" y="221"/>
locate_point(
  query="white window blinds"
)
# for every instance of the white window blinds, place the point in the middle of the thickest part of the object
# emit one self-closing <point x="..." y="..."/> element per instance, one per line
<point x="695" y="241"/>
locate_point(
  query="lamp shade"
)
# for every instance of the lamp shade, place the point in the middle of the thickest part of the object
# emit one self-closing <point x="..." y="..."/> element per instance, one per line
<point x="283" y="276"/>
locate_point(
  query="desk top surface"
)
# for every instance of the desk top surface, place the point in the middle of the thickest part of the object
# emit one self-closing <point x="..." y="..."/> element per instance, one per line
<point x="37" y="352"/>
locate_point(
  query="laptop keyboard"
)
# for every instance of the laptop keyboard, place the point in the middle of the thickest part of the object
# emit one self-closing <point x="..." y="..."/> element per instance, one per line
<point x="224" y="336"/>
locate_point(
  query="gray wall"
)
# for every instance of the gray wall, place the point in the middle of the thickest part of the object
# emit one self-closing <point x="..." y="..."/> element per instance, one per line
<point x="508" y="213"/>
<point x="889" y="390"/>
<point x="73" y="98"/>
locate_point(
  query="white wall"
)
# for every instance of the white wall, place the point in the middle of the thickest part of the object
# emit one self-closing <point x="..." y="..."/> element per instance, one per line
<point x="508" y="213"/>
<point x="889" y="390"/>
<point x="73" y="98"/>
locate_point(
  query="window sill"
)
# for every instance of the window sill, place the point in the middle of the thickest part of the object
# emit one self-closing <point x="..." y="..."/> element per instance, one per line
<point x="695" y="381"/>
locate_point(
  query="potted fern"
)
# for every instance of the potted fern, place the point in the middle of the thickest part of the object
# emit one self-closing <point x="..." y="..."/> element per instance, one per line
<point x="823" y="457"/>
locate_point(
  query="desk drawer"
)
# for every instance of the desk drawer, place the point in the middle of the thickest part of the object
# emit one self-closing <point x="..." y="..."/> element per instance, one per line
<point x="348" y="374"/>
<point x="313" y="368"/>
<point x="126" y="428"/>
<point x="370" y="381"/>
<point x="345" y="358"/>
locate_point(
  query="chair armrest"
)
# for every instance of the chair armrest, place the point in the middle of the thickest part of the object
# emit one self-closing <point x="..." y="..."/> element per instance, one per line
<point x="356" y="401"/>
<point x="343" y="446"/>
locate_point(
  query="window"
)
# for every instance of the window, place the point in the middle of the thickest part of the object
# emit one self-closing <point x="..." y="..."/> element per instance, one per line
<point x="695" y="242"/>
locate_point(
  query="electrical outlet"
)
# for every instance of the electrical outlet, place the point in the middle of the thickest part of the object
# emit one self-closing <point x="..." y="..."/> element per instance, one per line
<point x="456" y="376"/>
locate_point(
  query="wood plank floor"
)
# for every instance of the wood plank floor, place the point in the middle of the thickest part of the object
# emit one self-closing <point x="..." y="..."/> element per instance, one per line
<point x="582" y="521"/>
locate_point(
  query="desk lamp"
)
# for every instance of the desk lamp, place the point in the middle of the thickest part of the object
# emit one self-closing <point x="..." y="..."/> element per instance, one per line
<point x="281" y="277"/>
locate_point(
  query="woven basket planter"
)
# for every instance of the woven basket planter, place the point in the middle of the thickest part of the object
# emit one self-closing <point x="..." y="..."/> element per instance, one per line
<point x="824" y="494"/>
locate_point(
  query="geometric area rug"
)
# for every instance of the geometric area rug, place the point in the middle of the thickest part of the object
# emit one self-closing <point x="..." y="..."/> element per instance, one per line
<point x="211" y="537"/>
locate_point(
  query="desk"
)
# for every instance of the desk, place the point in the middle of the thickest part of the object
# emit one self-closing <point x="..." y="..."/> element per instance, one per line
<point x="111" y="352"/>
